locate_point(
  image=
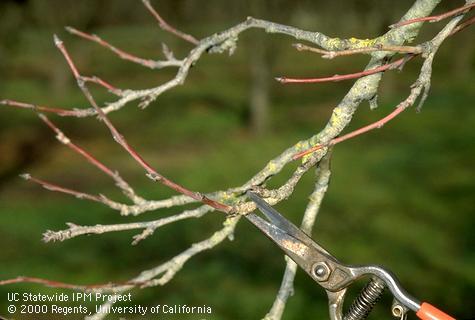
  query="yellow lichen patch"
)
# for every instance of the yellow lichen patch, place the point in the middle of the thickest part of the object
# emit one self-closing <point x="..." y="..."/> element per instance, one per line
<point x="301" y="146"/>
<point x="306" y="157"/>
<point x="334" y="43"/>
<point x="362" y="43"/>
<point x="271" y="166"/>
<point x="336" y="117"/>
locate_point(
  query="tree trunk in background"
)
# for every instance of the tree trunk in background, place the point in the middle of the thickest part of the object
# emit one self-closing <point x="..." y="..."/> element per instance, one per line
<point x="259" y="95"/>
<point x="260" y="77"/>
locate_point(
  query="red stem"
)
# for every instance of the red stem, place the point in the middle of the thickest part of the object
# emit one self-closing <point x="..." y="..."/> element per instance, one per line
<point x="376" y="125"/>
<point x="54" y="187"/>
<point x="104" y="84"/>
<point x="165" y="26"/>
<point x="462" y="26"/>
<point x="17" y="104"/>
<point x="78" y="149"/>
<point x="336" y="78"/>
<point x="124" y="55"/>
<point x="436" y="18"/>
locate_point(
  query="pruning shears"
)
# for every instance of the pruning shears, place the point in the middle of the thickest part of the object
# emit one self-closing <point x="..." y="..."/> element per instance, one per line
<point x="334" y="276"/>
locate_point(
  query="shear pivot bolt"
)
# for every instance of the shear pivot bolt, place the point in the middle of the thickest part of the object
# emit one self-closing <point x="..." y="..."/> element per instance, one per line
<point x="321" y="271"/>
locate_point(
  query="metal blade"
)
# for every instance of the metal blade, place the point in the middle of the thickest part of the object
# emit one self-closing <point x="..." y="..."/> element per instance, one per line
<point x="292" y="246"/>
<point x="275" y="217"/>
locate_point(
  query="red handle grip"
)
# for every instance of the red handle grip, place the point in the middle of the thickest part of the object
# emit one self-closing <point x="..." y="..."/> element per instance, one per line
<point x="429" y="312"/>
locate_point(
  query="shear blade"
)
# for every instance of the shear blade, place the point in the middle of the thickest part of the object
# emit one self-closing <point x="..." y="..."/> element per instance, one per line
<point x="287" y="228"/>
<point x="275" y="217"/>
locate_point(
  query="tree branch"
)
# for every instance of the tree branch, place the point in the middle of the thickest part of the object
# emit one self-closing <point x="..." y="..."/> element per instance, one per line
<point x="152" y="64"/>
<point x="165" y="26"/>
<point x="461" y="10"/>
<point x="148" y="226"/>
<point x="335" y="78"/>
<point x="333" y="54"/>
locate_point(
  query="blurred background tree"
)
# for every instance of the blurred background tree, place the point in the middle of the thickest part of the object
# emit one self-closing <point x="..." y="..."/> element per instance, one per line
<point x="415" y="213"/>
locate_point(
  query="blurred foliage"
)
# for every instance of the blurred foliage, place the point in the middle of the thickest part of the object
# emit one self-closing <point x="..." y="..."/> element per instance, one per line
<point x="401" y="196"/>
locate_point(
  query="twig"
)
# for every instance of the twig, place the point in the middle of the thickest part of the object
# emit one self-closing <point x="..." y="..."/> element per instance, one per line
<point x="104" y="84"/>
<point x="461" y="10"/>
<point x="58" y="111"/>
<point x="165" y="26"/>
<point x="463" y="25"/>
<point x="148" y="226"/>
<point x="389" y="66"/>
<point x="152" y="64"/>
<point x="54" y="187"/>
<point x="332" y="54"/>
<point x="51" y="283"/>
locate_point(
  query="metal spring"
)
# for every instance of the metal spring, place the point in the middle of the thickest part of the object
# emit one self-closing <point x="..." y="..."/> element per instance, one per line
<point x="365" y="301"/>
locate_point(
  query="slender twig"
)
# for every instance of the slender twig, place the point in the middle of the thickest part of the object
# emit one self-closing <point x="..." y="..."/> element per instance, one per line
<point x="51" y="283"/>
<point x="332" y="54"/>
<point x="54" y="187"/>
<point x="467" y="23"/>
<point x="170" y="62"/>
<point x="389" y="66"/>
<point x="165" y="26"/>
<point x="22" y="105"/>
<point x="104" y="84"/>
<point x="148" y="226"/>
<point x="436" y="18"/>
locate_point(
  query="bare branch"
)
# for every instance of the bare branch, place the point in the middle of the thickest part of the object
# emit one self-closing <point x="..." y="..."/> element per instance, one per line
<point x="152" y="64"/>
<point x="464" y="9"/>
<point x="389" y="66"/>
<point x="148" y="226"/>
<point x="332" y="54"/>
<point x="50" y="283"/>
<point x="165" y="26"/>
<point x="22" y="105"/>
<point x="57" y="188"/>
<point x="463" y="25"/>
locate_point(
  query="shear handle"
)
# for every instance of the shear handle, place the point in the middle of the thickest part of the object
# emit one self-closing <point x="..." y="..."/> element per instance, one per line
<point x="429" y="312"/>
